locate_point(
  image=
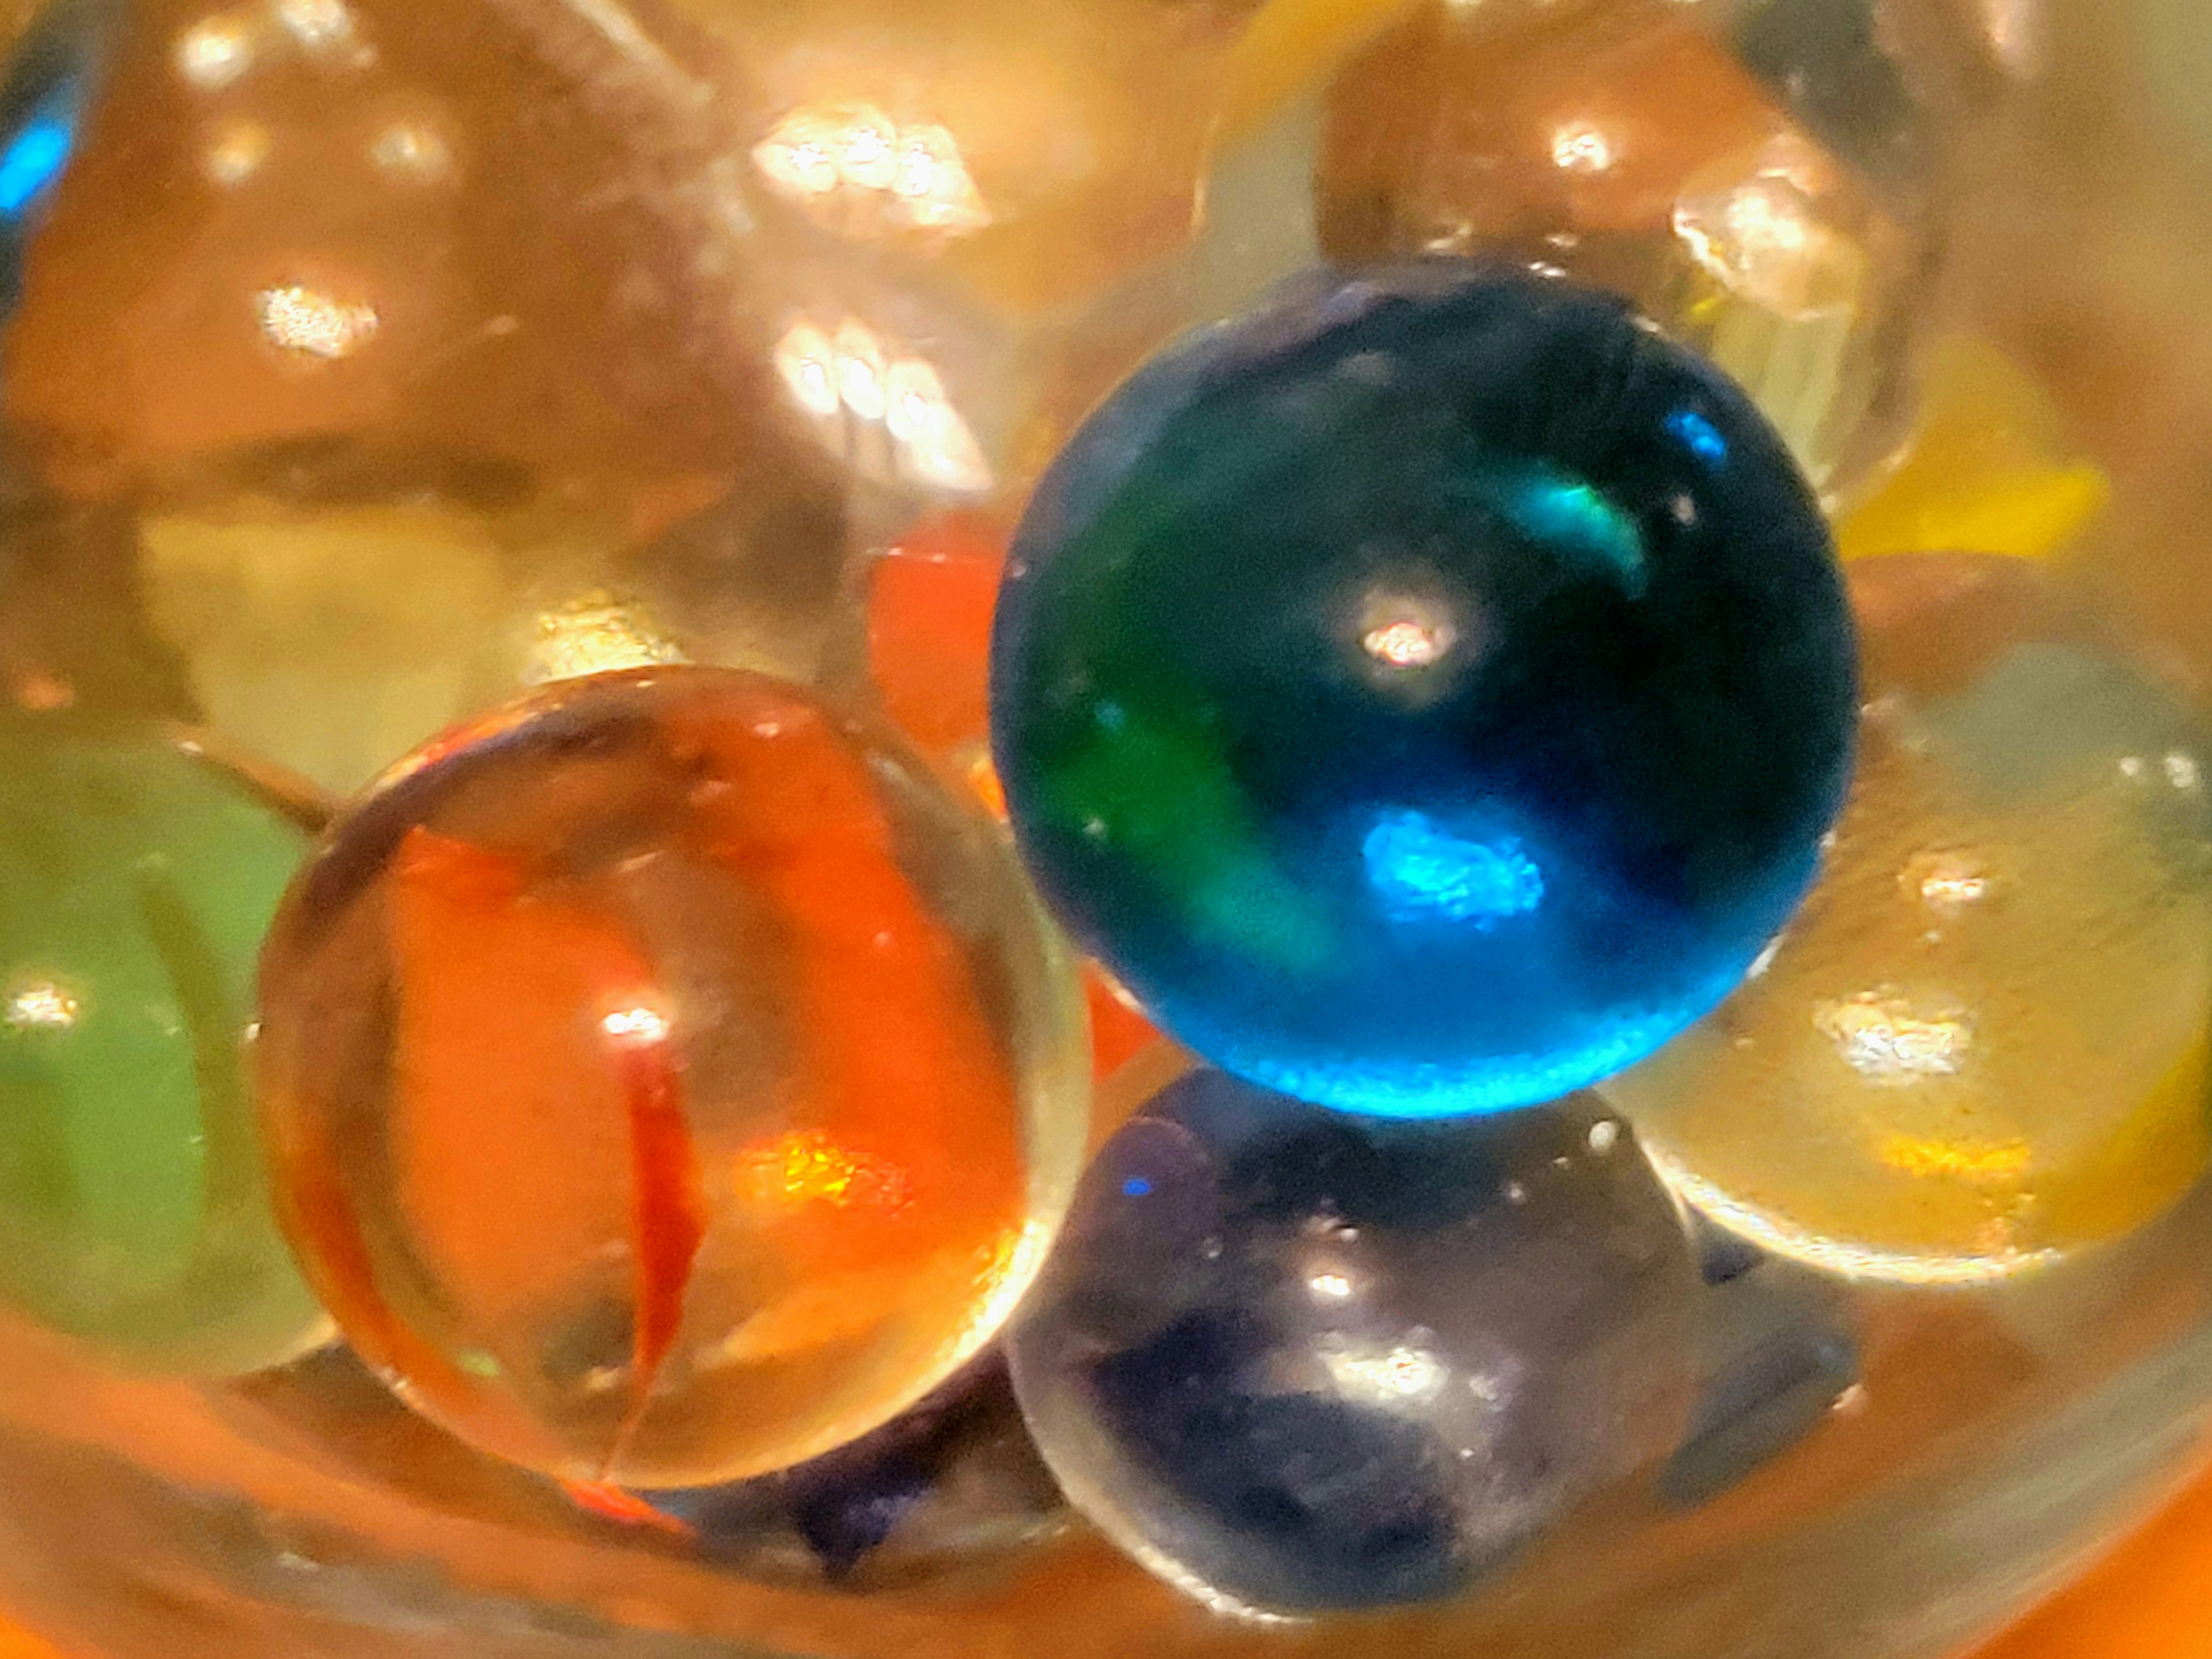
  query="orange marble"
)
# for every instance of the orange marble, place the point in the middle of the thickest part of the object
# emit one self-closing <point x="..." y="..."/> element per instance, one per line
<point x="632" y="1099"/>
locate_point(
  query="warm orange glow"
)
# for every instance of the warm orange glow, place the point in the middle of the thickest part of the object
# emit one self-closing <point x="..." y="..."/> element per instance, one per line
<point x="237" y="151"/>
<point x="853" y="369"/>
<point x="914" y="173"/>
<point x="807" y="1167"/>
<point x="611" y="1502"/>
<point x="216" y="51"/>
<point x="36" y="689"/>
<point x="2006" y="1161"/>
<point x="308" y="323"/>
<point x="412" y="150"/>
<point x="930" y="602"/>
<point x="983" y="779"/>
<point x="1404" y="644"/>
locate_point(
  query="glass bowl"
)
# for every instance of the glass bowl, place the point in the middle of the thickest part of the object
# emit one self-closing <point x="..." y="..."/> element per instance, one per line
<point x="597" y="320"/>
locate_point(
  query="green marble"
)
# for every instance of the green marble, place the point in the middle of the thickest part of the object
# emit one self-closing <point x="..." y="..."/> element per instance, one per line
<point x="136" y="881"/>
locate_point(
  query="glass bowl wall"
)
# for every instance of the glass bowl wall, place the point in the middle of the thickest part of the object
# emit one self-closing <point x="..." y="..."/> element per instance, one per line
<point x="1996" y="1437"/>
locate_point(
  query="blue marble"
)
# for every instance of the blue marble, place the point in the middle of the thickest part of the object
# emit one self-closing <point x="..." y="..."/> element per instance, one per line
<point x="1292" y="1360"/>
<point x="954" y="1483"/>
<point x="1427" y="694"/>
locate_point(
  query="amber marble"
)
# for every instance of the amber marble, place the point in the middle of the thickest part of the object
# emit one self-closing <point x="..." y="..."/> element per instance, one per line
<point x="1624" y="145"/>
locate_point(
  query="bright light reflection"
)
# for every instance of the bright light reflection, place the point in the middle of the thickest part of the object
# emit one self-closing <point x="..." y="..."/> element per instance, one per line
<point x="317" y="25"/>
<point x="237" y="152"/>
<point x="1424" y="872"/>
<point x="639" y="1025"/>
<point x="809" y="1168"/>
<point x="1951" y="891"/>
<point x="215" y="51"/>
<point x="808" y="363"/>
<point x="860" y="371"/>
<point x="1581" y="148"/>
<point x="593" y="634"/>
<point x="1333" y="1287"/>
<point x="2014" y="29"/>
<point x="1948" y="880"/>
<point x="797" y="157"/>
<point x="311" y="324"/>
<point x="915" y="175"/>
<point x="867" y="151"/>
<point x="1408" y="642"/>
<point x="1997" y="1258"/>
<point x="1763" y="237"/>
<point x="1883" y="1041"/>
<point x="912" y="396"/>
<point x="42" y="1006"/>
<point x="1392" y="1377"/>
<point x="411" y="150"/>
<point x="852" y="370"/>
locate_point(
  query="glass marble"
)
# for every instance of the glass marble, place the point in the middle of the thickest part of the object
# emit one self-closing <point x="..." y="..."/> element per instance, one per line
<point x="1292" y="1360"/>
<point x="1625" y="145"/>
<point x="135" y="878"/>
<point x="1036" y="153"/>
<point x="667" y="1081"/>
<point x="1426" y="696"/>
<point x="1983" y="1042"/>
<point x="968" y="215"/>
<point x="428" y="363"/>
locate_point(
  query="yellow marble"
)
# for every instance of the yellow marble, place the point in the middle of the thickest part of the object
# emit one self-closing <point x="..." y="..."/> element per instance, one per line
<point x="1989" y="471"/>
<point x="1982" y="1043"/>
